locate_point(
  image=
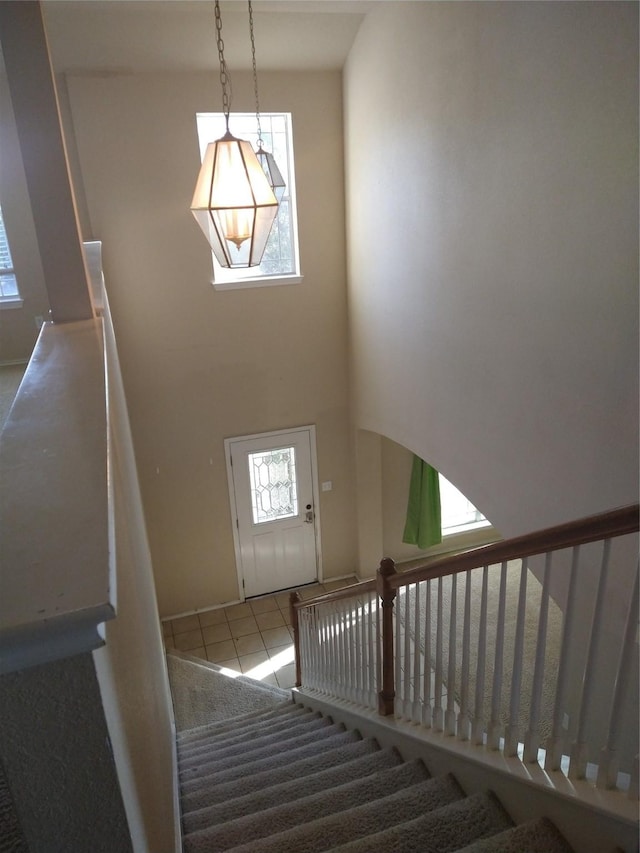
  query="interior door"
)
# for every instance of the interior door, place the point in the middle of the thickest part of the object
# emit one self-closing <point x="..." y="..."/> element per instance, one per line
<point x="273" y="504"/>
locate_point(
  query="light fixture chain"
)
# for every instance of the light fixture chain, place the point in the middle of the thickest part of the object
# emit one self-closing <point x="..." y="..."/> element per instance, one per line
<point x="255" y="74"/>
<point x="225" y="79"/>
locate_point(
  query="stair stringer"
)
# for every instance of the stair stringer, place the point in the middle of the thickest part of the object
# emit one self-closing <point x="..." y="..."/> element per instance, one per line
<point x="592" y="821"/>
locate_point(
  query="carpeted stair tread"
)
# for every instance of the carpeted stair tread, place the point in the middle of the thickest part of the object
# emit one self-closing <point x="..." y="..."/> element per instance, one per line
<point x="284" y="742"/>
<point x="444" y="830"/>
<point x="203" y="694"/>
<point x="246" y="735"/>
<point x="249" y="774"/>
<point x="534" y="836"/>
<point x="292" y="790"/>
<point x="219" y="753"/>
<point x="237" y="724"/>
<point x="324" y="833"/>
<point x="205" y="734"/>
<point x="286" y="815"/>
<point x="337" y="751"/>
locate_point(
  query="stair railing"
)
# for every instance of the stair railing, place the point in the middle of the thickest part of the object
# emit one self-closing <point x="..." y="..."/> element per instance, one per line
<point x="454" y="646"/>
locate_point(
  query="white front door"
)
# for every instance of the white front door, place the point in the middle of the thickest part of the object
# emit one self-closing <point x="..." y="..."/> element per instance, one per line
<point x="272" y="487"/>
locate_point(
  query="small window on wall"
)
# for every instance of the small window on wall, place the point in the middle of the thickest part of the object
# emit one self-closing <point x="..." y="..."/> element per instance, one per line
<point x="280" y="262"/>
<point x="458" y="514"/>
<point x="9" y="293"/>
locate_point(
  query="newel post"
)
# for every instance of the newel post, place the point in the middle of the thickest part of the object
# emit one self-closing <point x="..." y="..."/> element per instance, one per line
<point x="294" y="598"/>
<point x="386" y="695"/>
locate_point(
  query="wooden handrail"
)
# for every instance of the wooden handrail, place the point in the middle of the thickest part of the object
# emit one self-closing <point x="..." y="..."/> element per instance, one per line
<point x="606" y="525"/>
<point x="337" y="594"/>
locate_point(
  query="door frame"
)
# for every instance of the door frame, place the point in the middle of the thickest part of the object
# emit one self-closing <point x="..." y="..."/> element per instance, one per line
<point x="311" y="429"/>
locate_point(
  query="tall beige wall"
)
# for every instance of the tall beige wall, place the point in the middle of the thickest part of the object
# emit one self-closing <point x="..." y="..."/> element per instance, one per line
<point x="131" y="668"/>
<point x="201" y="365"/>
<point x="493" y="248"/>
<point x="492" y="188"/>
<point x="492" y="198"/>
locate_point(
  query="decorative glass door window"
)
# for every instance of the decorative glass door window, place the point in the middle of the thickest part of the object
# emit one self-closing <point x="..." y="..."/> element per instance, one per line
<point x="273" y="484"/>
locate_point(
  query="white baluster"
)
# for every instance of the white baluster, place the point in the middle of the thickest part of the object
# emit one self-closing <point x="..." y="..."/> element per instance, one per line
<point x="608" y="765"/>
<point x="378" y="684"/>
<point x="328" y="665"/>
<point x="307" y="628"/>
<point x="360" y="651"/>
<point x="634" y="784"/>
<point x="303" y="648"/>
<point x="437" y="698"/>
<point x="556" y="743"/>
<point x="371" y="645"/>
<point x="319" y="648"/>
<point x="532" y="738"/>
<point x="477" y="730"/>
<point x="495" y="725"/>
<point x="364" y="650"/>
<point x="406" y="670"/>
<point x="352" y="655"/>
<point x="427" y="707"/>
<point x="398" y="648"/>
<point x="512" y="733"/>
<point x="417" y="652"/>
<point x="339" y="673"/>
<point x="580" y="747"/>
<point x="344" y="638"/>
<point x="450" y="716"/>
<point x="346" y="646"/>
<point x="464" y="720"/>
<point x="308" y="646"/>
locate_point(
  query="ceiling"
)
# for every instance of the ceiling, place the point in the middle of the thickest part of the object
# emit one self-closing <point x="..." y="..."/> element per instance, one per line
<point x="103" y="36"/>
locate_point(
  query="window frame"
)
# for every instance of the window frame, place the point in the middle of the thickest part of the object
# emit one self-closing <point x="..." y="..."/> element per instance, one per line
<point x="13" y="300"/>
<point x="250" y="277"/>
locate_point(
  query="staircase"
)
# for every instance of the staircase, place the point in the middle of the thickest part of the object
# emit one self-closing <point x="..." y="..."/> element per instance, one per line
<point x="290" y="780"/>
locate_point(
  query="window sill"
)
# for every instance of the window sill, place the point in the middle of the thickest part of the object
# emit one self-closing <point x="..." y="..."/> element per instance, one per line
<point x="9" y="302"/>
<point x="455" y="543"/>
<point x="262" y="281"/>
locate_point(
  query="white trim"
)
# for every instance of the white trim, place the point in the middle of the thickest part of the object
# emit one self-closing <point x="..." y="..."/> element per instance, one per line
<point x="310" y="428"/>
<point x="258" y="281"/>
<point x="8" y="302"/>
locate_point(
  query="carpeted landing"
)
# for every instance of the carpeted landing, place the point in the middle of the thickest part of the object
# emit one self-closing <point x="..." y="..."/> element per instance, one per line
<point x="290" y="780"/>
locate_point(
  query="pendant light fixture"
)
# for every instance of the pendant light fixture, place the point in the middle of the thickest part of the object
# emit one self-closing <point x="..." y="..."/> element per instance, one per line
<point x="265" y="158"/>
<point x="233" y="202"/>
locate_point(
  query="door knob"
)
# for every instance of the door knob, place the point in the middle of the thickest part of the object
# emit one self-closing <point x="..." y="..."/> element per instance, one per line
<point x="308" y="515"/>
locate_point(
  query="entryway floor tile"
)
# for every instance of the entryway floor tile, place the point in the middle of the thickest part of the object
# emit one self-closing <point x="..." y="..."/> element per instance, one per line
<point x="221" y="651"/>
<point x="238" y="611"/>
<point x="249" y="644"/>
<point x="269" y="620"/>
<point x="263" y="605"/>
<point x="274" y="637"/>
<point x="249" y="662"/>
<point x="253" y="636"/>
<point x="216" y="634"/>
<point x="212" y="617"/>
<point x="242" y="627"/>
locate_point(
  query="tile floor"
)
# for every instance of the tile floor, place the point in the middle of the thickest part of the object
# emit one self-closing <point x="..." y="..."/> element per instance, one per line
<point x="254" y="638"/>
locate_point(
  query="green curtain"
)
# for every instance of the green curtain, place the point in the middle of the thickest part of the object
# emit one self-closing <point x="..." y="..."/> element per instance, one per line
<point x="423" y="526"/>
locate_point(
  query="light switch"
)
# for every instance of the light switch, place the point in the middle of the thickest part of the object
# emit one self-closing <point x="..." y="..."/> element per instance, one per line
<point x="327" y="486"/>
